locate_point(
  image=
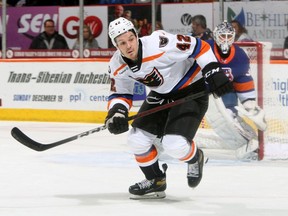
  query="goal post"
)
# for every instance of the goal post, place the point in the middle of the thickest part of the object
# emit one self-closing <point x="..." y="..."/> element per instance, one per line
<point x="259" y="54"/>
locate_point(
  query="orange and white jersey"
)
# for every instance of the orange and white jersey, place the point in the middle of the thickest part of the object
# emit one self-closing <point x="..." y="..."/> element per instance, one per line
<point x="166" y="63"/>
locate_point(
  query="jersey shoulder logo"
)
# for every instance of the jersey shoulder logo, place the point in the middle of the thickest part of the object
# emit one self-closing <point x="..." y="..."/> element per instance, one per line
<point x="163" y="41"/>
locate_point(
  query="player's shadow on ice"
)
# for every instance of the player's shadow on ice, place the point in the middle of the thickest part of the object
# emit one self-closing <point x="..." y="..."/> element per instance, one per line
<point x="92" y="199"/>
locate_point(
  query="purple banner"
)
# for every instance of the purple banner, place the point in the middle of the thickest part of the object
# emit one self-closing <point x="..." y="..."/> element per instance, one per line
<point x="24" y="23"/>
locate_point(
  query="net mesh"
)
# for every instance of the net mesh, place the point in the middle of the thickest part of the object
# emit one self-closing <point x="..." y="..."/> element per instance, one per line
<point x="275" y="137"/>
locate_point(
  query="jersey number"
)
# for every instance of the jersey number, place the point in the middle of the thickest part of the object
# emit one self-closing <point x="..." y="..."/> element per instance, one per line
<point x="185" y="42"/>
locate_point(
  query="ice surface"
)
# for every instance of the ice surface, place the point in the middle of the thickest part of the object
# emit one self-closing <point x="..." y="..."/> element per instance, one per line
<point x="91" y="176"/>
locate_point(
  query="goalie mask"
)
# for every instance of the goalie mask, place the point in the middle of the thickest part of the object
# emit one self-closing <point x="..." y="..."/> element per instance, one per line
<point x="120" y="26"/>
<point x="224" y="36"/>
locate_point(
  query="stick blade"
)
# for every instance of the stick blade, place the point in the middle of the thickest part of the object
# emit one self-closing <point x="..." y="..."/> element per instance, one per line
<point x="25" y="140"/>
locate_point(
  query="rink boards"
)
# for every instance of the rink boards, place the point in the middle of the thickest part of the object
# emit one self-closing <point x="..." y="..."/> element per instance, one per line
<point x="76" y="90"/>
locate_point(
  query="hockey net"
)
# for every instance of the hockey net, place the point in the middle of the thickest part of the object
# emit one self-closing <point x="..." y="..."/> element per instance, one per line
<point x="273" y="143"/>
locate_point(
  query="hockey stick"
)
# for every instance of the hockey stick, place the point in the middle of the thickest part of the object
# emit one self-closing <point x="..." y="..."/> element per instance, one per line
<point x="37" y="146"/>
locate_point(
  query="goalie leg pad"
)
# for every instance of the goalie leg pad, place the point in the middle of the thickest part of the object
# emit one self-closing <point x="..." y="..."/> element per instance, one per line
<point x="245" y="129"/>
<point x="228" y="128"/>
<point x="248" y="151"/>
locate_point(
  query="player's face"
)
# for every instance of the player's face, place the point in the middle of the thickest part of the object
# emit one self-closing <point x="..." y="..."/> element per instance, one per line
<point x="128" y="45"/>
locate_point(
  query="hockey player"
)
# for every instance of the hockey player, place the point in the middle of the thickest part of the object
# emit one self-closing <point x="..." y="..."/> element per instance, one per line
<point x="166" y="64"/>
<point x="235" y="63"/>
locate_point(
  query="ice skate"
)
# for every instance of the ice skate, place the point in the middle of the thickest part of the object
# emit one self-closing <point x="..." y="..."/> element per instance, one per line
<point x="149" y="189"/>
<point x="194" y="173"/>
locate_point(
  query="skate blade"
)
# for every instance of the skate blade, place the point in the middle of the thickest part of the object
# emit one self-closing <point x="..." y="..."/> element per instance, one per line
<point x="153" y="195"/>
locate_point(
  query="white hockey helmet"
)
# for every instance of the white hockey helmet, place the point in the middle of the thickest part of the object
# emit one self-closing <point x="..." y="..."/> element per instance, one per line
<point x="224" y="36"/>
<point x="118" y="27"/>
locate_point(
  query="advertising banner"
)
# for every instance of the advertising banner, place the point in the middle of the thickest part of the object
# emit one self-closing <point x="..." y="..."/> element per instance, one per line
<point x="181" y="22"/>
<point x="94" y="16"/>
<point x="24" y="23"/>
<point x="58" y="85"/>
<point x="276" y="86"/>
<point x="264" y="22"/>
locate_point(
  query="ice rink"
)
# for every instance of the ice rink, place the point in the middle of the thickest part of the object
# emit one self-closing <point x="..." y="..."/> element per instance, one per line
<point x="90" y="176"/>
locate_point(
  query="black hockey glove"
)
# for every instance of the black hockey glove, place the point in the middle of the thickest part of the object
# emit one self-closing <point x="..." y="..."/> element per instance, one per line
<point x="116" y="120"/>
<point x="216" y="80"/>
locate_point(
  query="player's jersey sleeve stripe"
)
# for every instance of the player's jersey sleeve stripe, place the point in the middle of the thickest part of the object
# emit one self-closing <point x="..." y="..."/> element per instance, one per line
<point x="244" y="87"/>
<point x="189" y="76"/>
<point x="150" y="58"/>
<point x="118" y="69"/>
<point x="200" y="48"/>
<point x="123" y="99"/>
<point x="189" y="81"/>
